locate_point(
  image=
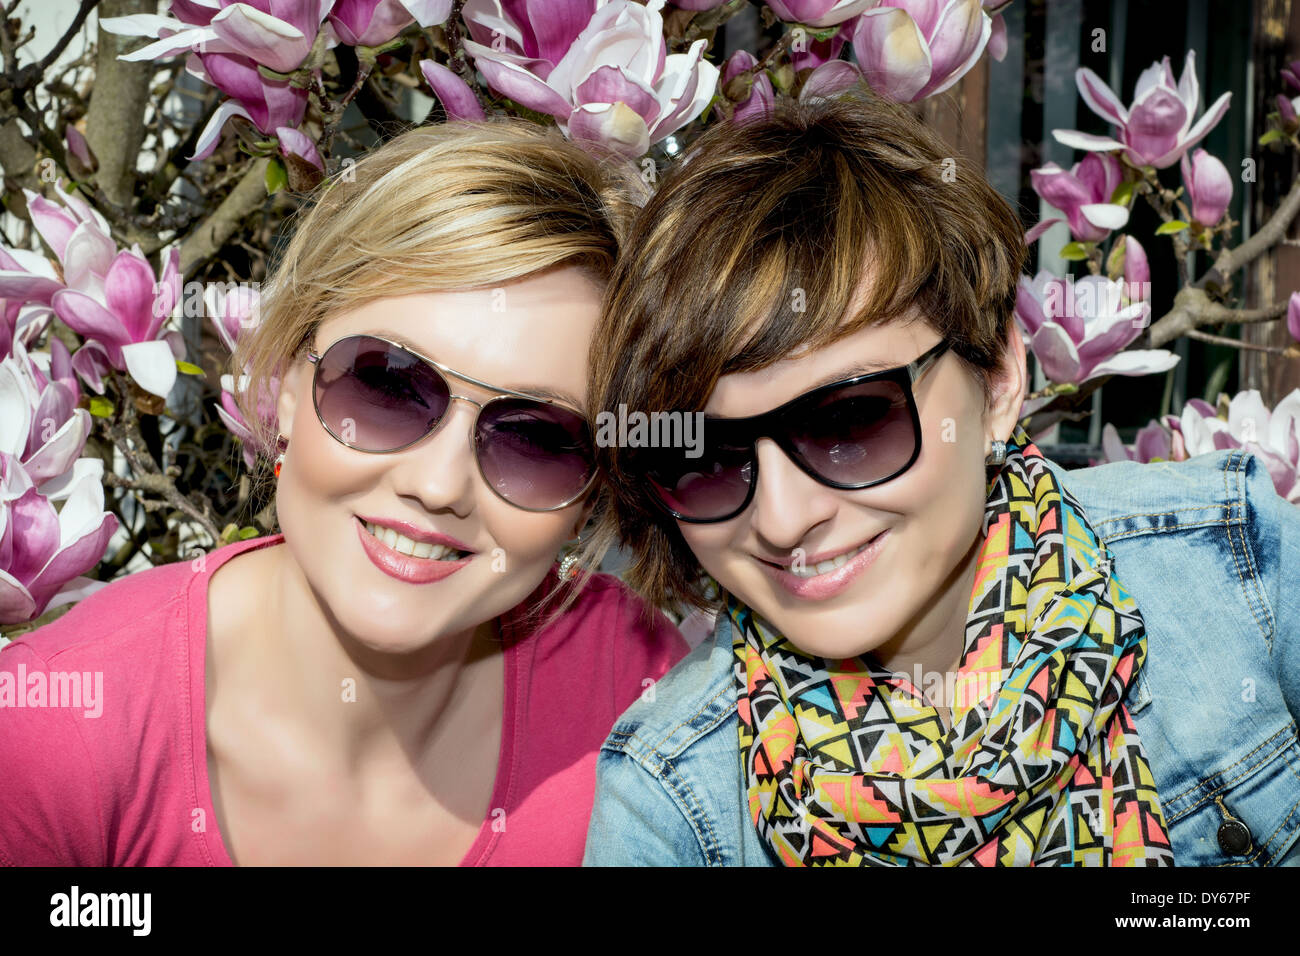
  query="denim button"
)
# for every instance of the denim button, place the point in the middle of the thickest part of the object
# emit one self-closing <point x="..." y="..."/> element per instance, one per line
<point x="1234" y="837"/>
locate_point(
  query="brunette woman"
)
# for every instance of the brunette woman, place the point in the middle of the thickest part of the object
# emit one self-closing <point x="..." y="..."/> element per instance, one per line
<point x="933" y="645"/>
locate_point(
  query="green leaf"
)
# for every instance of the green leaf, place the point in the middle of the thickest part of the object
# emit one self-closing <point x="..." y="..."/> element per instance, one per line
<point x="1074" y="251"/>
<point x="248" y="531"/>
<point x="1272" y="136"/>
<point x="100" y="407"/>
<point x="277" y="177"/>
<point x="1171" y="227"/>
<point x="188" y="368"/>
<point x="1123" y="193"/>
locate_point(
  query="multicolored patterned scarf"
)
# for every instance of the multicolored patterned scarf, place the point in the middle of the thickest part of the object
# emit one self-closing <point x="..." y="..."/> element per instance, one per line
<point x="848" y="765"/>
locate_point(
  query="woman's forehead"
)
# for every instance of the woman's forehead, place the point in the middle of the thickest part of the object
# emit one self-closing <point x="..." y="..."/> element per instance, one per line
<point x="874" y="348"/>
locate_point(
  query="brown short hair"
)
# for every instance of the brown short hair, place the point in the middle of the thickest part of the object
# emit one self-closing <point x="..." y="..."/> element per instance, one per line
<point x="755" y="247"/>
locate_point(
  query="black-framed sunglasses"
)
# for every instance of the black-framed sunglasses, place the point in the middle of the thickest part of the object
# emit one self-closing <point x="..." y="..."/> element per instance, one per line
<point x="850" y="434"/>
<point x="379" y="397"/>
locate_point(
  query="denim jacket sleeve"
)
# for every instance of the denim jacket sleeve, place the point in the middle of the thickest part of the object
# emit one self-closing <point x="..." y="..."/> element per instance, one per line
<point x="1209" y="551"/>
<point x="636" y="821"/>
<point x="1278" y="547"/>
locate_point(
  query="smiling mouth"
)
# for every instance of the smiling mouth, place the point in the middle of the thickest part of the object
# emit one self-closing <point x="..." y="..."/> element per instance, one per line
<point x="824" y="567"/>
<point x="413" y="549"/>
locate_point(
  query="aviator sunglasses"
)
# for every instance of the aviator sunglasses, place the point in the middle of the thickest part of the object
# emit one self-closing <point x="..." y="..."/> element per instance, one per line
<point x="849" y="434"/>
<point x="378" y="396"/>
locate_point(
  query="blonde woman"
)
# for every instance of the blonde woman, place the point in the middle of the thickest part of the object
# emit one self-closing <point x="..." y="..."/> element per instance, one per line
<point x="376" y="684"/>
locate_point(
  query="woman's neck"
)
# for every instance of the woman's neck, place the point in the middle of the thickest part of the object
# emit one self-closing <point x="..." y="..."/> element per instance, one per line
<point x="933" y="641"/>
<point x="354" y="704"/>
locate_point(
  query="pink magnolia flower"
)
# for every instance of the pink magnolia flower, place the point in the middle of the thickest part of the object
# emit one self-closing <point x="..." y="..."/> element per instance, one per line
<point x="43" y="551"/>
<point x="1273" y="437"/>
<point x="275" y="33"/>
<point x="375" y="22"/>
<point x="1152" y="443"/>
<point x="1156" y="130"/>
<point x="1083" y="194"/>
<point x="911" y="49"/>
<point x="1288" y="106"/>
<point x="1078" y="329"/>
<point x="270" y="105"/>
<point x="1208" y="185"/>
<point x="232" y="315"/>
<point x="1293" y="316"/>
<point x="40" y="424"/>
<point x="818" y="13"/>
<point x="109" y="297"/>
<point x="758" y="103"/>
<point x="453" y="93"/>
<point x="228" y="42"/>
<point x="125" y="326"/>
<point x="998" y="35"/>
<point x="809" y="53"/>
<point x="611" y="85"/>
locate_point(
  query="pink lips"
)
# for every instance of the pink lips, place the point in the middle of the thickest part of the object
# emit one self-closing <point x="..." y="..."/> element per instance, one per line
<point x="403" y="566"/>
<point x="823" y="586"/>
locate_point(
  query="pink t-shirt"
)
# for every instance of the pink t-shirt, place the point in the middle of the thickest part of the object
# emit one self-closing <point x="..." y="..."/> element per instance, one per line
<point x="111" y="768"/>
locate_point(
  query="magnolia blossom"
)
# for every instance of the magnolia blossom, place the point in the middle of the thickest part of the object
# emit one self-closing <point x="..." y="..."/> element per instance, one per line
<point x="1078" y="328"/>
<point x="911" y="49"/>
<point x="611" y="84"/>
<point x="1208" y="185"/>
<point x="453" y="93"/>
<point x="374" y="22"/>
<point x="108" y="296"/>
<point x="1152" y="443"/>
<point x="43" y="551"/>
<point x="275" y="33"/>
<point x="228" y="41"/>
<point x="807" y="52"/>
<point x="233" y="314"/>
<point x="1273" y="437"/>
<point x="270" y="105"/>
<point x="1083" y="194"/>
<point x="758" y="102"/>
<point x="1156" y="130"/>
<point x="40" y="425"/>
<point x="1293" y="316"/>
<point x="817" y="13"/>
<point x="1287" y="106"/>
<point x="125" y="326"/>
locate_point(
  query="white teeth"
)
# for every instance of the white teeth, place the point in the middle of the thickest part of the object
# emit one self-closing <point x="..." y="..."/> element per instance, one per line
<point x="822" y="567"/>
<point x="415" y="549"/>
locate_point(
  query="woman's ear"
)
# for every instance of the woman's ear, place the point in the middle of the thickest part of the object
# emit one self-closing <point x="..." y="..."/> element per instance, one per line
<point x="290" y="395"/>
<point x="1009" y="382"/>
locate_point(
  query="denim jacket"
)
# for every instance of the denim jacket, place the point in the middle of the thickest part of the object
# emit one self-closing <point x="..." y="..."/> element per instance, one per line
<point x="1211" y="554"/>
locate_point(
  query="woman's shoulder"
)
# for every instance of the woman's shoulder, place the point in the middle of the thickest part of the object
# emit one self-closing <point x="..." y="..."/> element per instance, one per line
<point x="608" y="616"/>
<point x="1132" y="498"/>
<point x="138" y="607"/>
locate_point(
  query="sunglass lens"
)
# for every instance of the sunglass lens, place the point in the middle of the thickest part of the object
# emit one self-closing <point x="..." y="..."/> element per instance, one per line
<point x="534" y="455"/>
<point x="376" y="396"/>
<point x="857" y="434"/>
<point x="708" y="488"/>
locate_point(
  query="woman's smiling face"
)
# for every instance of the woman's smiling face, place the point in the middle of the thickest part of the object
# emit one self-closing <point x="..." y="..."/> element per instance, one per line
<point x="911" y="541"/>
<point x="530" y="335"/>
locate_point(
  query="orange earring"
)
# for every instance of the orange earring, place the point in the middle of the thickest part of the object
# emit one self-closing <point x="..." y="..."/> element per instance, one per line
<point x="279" y="461"/>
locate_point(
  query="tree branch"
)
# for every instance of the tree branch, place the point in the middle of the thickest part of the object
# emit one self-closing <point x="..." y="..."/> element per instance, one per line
<point x="1268" y="235"/>
<point x="115" y="119"/>
<point x="206" y="239"/>
<point x="1235" y="343"/>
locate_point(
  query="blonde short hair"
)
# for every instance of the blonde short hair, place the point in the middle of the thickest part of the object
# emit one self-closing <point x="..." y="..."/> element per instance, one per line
<point x="441" y="208"/>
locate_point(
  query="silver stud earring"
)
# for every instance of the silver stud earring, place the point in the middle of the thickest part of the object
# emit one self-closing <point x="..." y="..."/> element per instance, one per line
<point x="999" y="453"/>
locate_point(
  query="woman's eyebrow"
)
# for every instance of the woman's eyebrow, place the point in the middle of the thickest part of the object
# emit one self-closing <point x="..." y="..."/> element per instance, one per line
<point x="541" y="391"/>
<point x="853" y="371"/>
